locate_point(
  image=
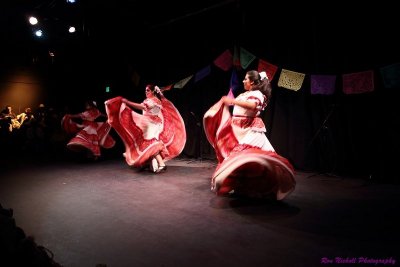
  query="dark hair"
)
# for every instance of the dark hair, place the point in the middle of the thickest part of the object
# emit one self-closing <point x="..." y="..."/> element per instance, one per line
<point x="263" y="85"/>
<point x="91" y="103"/>
<point x="6" y="110"/>
<point x="154" y="91"/>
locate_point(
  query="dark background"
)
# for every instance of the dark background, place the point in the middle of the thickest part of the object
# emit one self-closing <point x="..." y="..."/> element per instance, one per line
<point x="166" y="42"/>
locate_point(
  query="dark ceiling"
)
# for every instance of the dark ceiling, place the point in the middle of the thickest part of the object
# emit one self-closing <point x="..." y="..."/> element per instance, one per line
<point x="185" y="36"/>
<point x="137" y="31"/>
<point x="111" y="22"/>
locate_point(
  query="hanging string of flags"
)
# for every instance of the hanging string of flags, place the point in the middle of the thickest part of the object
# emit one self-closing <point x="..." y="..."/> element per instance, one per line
<point x="352" y="83"/>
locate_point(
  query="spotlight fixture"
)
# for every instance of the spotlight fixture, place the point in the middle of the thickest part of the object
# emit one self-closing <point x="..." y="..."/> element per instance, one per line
<point x="71" y="29"/>
<point x="33" y="20"/>
<point x="39" y="33"/>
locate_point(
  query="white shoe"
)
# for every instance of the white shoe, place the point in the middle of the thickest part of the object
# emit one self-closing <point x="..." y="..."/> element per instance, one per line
<point x="154" y="165"/>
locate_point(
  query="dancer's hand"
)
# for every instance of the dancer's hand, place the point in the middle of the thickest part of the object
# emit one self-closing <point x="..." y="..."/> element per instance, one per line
<point x="227" y="100"/>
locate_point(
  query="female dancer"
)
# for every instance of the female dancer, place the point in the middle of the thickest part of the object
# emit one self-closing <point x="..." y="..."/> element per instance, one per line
<point x="89" y="135"/>
<point x="248" y="164"/>
<point x="152" y="137"/>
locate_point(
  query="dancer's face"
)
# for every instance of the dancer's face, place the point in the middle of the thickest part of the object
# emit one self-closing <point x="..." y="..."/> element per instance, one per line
<point x="247" y="84"/>
<point x="148" y="92"/>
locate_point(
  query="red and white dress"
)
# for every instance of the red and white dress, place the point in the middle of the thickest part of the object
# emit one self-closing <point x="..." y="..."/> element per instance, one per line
<point x="248" y="164"/>
<point x="159" y="129"/>
<point x="89" y="134"/>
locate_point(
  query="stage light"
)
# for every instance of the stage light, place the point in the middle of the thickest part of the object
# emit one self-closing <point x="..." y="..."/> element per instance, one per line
<point x="33" y="20"/>
<point x="39" y="33"/>
<point x="71" y="29"/>
<point x="71" y="1"/>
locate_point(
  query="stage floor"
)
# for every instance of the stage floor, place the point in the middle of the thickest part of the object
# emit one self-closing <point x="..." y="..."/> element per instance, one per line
<point x="105" y="212"/>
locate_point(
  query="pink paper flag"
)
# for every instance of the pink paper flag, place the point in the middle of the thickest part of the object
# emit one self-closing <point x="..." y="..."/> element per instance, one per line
<point x="230" y="94"/>
<point x="358" y="82"/>
<point x="269" y="68"/>
<point x="224" y="61"/>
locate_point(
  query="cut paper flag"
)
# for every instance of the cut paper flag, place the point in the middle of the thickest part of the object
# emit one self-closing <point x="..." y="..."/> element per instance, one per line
<point x="358" y="82"/>
<point x="182" y="82"/>
<point x="201" y="74"/>
<point x="291" y="80"/>
<point x="234" y="85"/>
<point x="323" y="84"/>
<point x="236" y="57"/>
<point x="166" y="88"/>
<point x="224" y="61"/>
<point x="391" y="76"/>
<point x="246" y="58"/>
<point x="230" y="94"/>
<point x="269" y="68"/>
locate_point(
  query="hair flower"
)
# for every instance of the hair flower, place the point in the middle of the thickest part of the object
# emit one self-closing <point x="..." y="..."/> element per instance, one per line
<point x="263" y="75"/>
